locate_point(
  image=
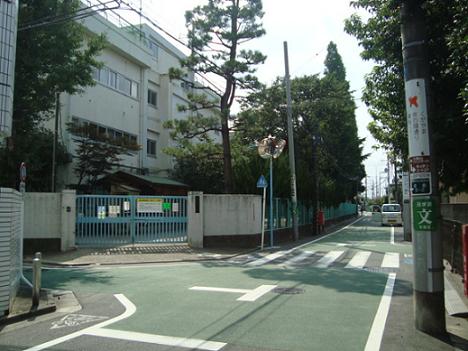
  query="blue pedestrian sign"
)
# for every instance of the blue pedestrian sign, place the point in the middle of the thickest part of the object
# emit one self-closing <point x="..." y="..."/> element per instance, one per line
<point x="261" y="182"/>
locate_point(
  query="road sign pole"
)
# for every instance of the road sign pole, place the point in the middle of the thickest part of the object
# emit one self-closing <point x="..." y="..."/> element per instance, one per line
<point x="263" y="218"/>
<point x="428" y="287"/>
<point x="270" y="220"/>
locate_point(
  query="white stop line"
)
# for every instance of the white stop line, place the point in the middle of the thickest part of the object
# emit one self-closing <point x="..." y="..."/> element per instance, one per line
<point x="247" y="294"/>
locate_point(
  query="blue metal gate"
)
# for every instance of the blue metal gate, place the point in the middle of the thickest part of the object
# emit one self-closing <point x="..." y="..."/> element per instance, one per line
<point x="108" y="220"/>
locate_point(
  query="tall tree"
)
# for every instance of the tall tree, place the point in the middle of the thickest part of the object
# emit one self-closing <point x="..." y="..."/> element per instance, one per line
<point x="446" y="27"/>
<point x="334" y="64"/>
<point x="50" y="58"/>
<point x="323" y="123"/>
<point x="215" y="33"/>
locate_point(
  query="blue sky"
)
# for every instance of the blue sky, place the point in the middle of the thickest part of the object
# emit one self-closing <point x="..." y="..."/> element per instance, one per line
<point x="308" y="26"/>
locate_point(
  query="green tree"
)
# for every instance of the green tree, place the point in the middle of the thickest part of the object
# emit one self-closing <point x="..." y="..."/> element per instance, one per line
<point x="50" y="58"/>
<point x="215" y="33"/>
<point x="323" y="123"/>
<point x="446" y="27"/>
<point x="334" y="64"/>
<point x="97" y="154"/>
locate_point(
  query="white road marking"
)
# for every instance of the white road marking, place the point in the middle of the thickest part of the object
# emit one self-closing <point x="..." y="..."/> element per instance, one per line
<point x="194" y="344"/>
<point x="268" y="258"/>
<point x="74" y="320"/>
<point x="298" y="258"/>
<point x="129" y="310"/>
<point x="392" y="236"/>
<point x="228" y="290"/>
<point x="256" y="293"/>
<point x="328" y="259"/>
<point x="391" y="260"/>
<point x="375" y="336"/>
<point x="359" y="260"/>
<point x="247" y="294"/>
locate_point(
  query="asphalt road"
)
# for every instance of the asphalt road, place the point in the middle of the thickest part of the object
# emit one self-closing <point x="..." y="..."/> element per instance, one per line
<point x="330" y="294"/>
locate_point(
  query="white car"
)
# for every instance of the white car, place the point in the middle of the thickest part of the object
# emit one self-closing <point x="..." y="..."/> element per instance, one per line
<point x="391" y="214"/>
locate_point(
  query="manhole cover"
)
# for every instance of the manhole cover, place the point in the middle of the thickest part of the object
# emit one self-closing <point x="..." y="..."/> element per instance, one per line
<point x="288" y="291"/>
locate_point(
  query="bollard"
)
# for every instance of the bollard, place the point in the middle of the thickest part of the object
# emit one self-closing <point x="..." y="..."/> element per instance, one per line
<point x="465" y="257"/>
<point x="36" y="289"/>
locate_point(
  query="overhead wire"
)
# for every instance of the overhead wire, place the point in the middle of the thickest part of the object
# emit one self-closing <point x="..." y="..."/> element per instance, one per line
<point x="79" y="14"/>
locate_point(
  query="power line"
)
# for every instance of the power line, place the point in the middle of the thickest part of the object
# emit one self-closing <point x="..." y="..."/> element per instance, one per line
<point x="79" y="14"/>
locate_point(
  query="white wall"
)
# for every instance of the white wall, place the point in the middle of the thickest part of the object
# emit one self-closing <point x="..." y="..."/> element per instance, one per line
<point x="11" y="228"/>
<point x="222" y="215"/>
<point x="51" y="216"/>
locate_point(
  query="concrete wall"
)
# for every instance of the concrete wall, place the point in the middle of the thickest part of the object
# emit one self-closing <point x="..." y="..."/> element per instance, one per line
<point x="11" y="229"/>
<point x="227" y="216"/>
<point x="232" y="214"/>
<point x="51" y="216"/>
<point x="456" y="212"/>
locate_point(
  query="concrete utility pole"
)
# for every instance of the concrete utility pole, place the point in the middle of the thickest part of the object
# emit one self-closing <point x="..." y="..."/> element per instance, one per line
<point x="425" y="201"/>
<point x="292" y="162"/>
<point x="55" y="142"/>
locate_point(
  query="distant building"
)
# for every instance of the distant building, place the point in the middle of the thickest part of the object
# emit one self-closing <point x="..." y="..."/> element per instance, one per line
<point x="132" y="98"/>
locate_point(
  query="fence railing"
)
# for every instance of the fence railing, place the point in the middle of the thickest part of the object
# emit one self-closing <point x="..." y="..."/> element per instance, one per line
<point x="282" y="213"/>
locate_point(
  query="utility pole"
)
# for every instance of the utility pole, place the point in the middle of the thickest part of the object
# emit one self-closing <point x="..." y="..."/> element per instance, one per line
<point x="292" y="162"/>
<point x="54" y="146"/>
<point x="428" y="287"/>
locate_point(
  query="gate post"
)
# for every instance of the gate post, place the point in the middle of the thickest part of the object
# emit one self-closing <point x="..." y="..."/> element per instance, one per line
<point x="195" y="226"/>
<point x="68" y="219"/>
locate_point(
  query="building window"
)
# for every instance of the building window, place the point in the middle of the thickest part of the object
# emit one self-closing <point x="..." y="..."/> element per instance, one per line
<point x="151" y="147"/>
<point x="154" y="48"/>
<point x="125" y="85"/>
<point x="104" y="76"/>
<point x="152" y="98"/>
<point x="116" y="81"/>
<point x="134" y="90"/>
<point x="113" y="79"/>
<point x="99" y="132"/>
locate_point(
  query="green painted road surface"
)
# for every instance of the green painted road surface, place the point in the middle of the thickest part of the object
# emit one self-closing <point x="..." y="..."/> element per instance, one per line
<point x="333" y="309"/>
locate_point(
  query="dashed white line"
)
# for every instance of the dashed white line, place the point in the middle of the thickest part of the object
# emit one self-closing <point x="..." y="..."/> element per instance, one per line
<point x="392" y="236"/>
<point x="391" y="260"/>
<point x="269" y="258"/>
<point x="359" y="260"/>
<point x="298" y="258"/>
<point x="328" y="259"/>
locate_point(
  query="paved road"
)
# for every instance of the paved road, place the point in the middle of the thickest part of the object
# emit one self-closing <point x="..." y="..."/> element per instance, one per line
<point x="330" y="294"/>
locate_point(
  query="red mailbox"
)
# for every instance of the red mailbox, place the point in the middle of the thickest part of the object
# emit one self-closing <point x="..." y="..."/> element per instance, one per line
<point x="465" y="257"/>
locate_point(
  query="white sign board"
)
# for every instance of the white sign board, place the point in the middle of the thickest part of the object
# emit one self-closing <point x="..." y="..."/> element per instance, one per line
<point x="406" y="186"/>
<point x="149" y="205"/>
<point x="416" y="117"/>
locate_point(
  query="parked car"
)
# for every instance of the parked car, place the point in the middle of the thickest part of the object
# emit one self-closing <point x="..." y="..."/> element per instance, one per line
<point x="391" y="214"/>
<point x="375" y="208"/>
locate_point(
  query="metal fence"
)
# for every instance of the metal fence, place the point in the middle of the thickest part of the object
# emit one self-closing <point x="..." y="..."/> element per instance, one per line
<point x="282" y="213"/>
<point x="115" y="220"/>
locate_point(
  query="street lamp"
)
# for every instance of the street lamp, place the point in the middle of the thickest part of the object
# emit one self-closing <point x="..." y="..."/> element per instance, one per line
<point x="270" y="148"/>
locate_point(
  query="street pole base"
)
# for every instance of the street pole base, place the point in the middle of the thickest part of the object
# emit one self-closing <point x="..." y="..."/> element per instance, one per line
<point x="429" y="312"/>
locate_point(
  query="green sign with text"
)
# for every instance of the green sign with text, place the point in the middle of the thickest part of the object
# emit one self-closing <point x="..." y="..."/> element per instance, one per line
<point x="424" y="213"/>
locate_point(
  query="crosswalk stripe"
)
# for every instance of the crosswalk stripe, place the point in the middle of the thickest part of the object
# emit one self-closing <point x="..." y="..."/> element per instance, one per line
<point x="298" y="258"/>
<point x="359" y="260"/>
<point x="391" y="260"/>
<point x="328" y="259"/>
<point x="268" y="258"/>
